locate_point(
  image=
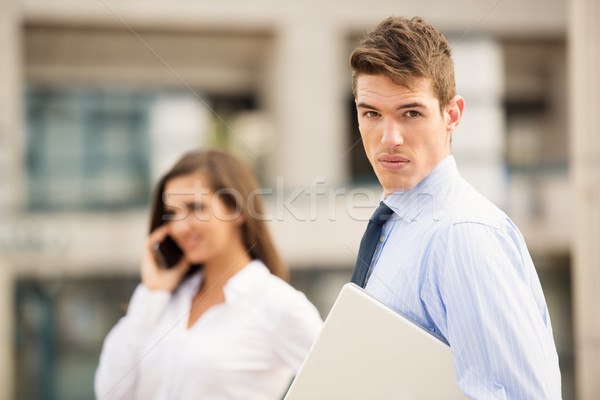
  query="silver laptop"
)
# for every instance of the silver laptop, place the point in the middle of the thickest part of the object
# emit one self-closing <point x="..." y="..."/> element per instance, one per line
<point x="367" y="350"/>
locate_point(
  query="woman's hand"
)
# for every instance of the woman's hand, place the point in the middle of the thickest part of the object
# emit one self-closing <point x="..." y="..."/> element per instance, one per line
<point x="153" y="276"/>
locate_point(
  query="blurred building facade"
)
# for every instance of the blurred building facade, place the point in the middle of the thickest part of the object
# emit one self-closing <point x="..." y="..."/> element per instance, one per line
<point x="100" y="97"/>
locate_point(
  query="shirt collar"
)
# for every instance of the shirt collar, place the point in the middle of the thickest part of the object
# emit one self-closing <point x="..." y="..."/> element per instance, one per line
<point x="425" y="195"/>
<point x="242" y="282"/>
<point x="245" y="280"/>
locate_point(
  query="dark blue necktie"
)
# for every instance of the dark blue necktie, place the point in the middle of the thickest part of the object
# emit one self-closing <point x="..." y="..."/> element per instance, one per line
<point x="369" y="243"/>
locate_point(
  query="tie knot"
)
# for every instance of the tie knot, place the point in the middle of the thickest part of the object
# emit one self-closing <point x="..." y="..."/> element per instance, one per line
<point x="382" y="214"/>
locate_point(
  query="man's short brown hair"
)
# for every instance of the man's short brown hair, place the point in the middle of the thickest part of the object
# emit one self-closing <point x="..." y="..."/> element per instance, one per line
<point x="403" y="49"/>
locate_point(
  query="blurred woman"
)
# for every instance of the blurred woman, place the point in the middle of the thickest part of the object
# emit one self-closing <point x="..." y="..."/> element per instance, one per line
<point x="221" y="323"/>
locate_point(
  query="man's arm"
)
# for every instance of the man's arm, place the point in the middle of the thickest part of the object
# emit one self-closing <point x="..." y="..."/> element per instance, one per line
<point x="490" y="307"/>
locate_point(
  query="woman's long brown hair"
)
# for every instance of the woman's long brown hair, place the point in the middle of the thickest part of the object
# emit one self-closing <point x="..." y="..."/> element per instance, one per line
<point x="236" y="184"/>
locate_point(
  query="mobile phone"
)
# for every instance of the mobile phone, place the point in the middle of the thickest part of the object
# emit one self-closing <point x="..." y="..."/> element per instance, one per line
<point x="167" y="253"/>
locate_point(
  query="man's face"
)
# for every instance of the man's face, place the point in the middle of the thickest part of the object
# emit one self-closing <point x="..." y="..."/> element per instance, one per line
<point x="404" y="133"/>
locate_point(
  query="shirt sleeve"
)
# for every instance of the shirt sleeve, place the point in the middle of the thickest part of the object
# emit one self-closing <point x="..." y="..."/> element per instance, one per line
<point x="297" y="329"/>
<point x="116" y="375"/>
<point x="489" y="304"/>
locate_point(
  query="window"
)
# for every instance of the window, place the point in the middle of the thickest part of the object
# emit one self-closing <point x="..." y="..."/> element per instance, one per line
<point x="87" y="148"/>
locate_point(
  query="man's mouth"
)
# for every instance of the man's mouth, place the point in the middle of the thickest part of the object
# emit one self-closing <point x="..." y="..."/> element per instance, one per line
<point x="393" y="162"/>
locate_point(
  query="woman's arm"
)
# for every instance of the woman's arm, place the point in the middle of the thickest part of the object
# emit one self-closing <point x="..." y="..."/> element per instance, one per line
<point x="117" y="373"/>
<point x="298" y="327"/>
<point x="116" y="376"/>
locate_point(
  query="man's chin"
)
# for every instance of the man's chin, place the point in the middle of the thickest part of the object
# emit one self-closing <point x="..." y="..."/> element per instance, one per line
<point x="397" y="187"/>
<point x="396" y="182"/>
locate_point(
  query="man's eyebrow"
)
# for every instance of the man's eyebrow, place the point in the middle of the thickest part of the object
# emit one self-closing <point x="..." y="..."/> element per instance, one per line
<point x="400" y="107"/>
<point x="412" y="105"/>
<point x="365" y="105"/>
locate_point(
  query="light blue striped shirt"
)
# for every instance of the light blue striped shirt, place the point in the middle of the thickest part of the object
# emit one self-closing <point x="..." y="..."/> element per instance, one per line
<point x="457" y="265"/>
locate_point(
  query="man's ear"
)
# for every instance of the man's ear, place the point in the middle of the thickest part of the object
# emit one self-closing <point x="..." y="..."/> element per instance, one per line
<point x="453" y="113"/>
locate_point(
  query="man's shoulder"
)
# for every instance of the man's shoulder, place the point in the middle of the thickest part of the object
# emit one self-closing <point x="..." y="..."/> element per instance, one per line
<point x="466" y="205"/>
<point x="473" y="223"/>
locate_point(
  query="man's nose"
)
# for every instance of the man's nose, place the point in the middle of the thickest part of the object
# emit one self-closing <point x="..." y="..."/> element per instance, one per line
<point x="392" y="133"/>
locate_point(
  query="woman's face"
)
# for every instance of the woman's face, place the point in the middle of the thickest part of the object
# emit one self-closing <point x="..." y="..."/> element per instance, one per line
<point x="199" y="221"/>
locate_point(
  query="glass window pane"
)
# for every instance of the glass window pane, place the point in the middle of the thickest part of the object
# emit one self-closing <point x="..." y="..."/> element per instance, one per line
<point x="88" y="148"/>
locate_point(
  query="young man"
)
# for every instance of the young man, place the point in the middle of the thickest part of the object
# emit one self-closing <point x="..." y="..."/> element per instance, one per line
<point x="447" y="257"/>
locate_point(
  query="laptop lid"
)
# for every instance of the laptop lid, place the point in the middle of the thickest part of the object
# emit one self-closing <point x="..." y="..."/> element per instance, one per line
<point x="366" y="350"/>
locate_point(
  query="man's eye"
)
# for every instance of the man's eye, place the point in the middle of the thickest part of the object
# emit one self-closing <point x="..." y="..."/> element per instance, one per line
<point x="371" y="114"/>
<point x="412" y="114"/>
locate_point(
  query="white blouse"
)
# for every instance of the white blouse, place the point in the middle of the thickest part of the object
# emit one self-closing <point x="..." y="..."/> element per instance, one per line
<point x="248" y="347"/>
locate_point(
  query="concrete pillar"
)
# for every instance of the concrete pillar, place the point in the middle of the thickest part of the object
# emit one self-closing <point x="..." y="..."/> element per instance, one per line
<point x="178" y="124"/>
<point x="584" y="64"/>
<point x="11" y="137"/>
<point x="308" y="98"/>
<point x="10" y="181"/>
<point x="478" y="143"/>
<point x="6" y="331"/>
